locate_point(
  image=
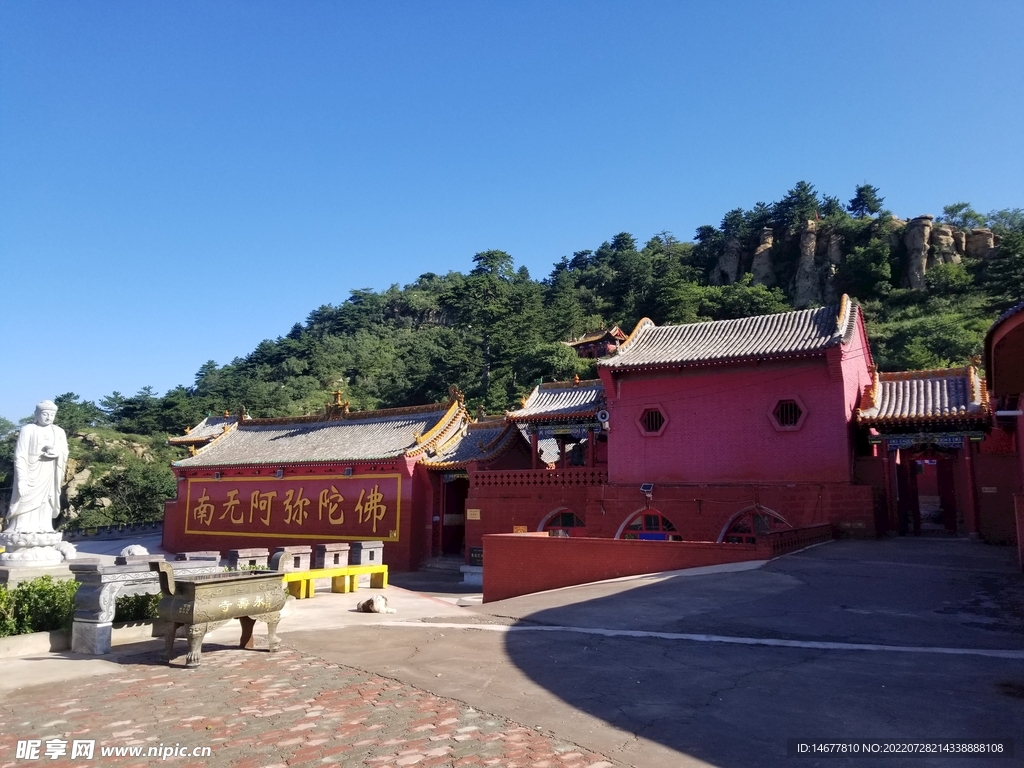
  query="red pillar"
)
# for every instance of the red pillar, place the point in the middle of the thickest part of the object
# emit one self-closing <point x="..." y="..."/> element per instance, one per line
<point x="533" y="450"/>
<point x="971" y="518"/>
<point x="890" y="495"/>
<point x="1018" y="502"/>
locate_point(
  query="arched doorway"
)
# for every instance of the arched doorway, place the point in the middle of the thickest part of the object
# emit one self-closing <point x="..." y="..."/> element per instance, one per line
<point x="746" y="525"/>
<point x="648" y="525"/>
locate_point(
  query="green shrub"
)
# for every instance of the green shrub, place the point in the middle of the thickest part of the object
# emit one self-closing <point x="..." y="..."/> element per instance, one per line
<point x="7" y="624"/>
<point x="136" y="608"/>
<point x="42" y="605"/>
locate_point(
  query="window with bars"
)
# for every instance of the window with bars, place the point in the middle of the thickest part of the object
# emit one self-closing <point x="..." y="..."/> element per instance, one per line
<point x="652" y="420"/>
<point x="788" y="414"/>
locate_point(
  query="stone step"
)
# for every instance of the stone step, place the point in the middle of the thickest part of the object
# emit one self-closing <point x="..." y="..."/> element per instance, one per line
<point x="450" y="563"/>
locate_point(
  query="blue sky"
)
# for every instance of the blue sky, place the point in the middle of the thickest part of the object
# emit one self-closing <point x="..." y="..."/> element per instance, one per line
<point x="179" y="181"/>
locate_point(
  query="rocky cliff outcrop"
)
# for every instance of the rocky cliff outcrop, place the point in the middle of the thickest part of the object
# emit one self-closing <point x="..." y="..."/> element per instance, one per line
<point x="727" y="271"/>
<point x="820" y="252"/>
<point x="763" y="268"/>
<point x="808" y="281"/>
<point x="943" y="246"/>
<point x="980" y="243"/>
<point x="916" y="237"/>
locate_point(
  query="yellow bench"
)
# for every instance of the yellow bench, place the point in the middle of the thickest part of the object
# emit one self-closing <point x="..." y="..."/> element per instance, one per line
<point x="343" y="579"/>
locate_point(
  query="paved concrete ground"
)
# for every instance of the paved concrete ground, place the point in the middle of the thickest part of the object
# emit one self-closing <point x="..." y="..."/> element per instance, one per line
<point x="899" y="639"/>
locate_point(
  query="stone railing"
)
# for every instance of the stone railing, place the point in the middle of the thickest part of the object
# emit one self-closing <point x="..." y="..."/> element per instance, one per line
<point x="578" y="476"/>
<point x="100" y="586"/>
<point x="780" y="542"/>
<point x="104" y="532"/>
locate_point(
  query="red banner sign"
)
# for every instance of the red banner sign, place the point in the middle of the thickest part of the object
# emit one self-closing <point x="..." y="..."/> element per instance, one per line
<point x="326" y="507"/>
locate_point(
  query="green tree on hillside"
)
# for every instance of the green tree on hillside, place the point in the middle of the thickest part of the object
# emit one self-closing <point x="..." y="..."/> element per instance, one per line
<point x="865" y="202"/>
<point x="962" y="216"/>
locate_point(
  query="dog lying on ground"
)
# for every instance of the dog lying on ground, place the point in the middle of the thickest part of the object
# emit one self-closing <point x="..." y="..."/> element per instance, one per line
<point x="375" y="604"/>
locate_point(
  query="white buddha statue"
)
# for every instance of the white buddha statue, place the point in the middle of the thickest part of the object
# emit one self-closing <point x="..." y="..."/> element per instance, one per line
<point x="40" y="458"/>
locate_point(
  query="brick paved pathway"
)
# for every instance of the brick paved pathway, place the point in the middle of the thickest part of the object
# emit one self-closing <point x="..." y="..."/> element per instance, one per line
<point x="257" y="710"/>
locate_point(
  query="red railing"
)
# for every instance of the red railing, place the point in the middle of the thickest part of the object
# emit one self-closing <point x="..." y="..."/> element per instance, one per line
<point x="781" y="542"/>
<point x="550" y="477"/>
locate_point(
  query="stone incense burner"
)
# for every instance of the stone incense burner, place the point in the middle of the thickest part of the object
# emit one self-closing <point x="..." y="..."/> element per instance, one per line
<point x="204" y="602"/>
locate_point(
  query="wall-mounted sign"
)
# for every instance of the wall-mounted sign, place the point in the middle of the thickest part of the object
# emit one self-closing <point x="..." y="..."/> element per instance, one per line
<point x="325" y="506"/>
<point x="988" y="489"/>
<point x="472" y="514"/>
<point x="579" y="431"/>
<point x="948" y="440"/>
<point x="520" y="529"/>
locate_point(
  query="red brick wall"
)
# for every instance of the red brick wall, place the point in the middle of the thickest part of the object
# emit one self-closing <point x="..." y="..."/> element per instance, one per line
<point x="502" y="507"/>
<point x="1018" y="501"/>
<point x="997" y="479"/>
<point x="719" y="428"/>
<point x="699" y="512"/>
<point x="526" y="563"/>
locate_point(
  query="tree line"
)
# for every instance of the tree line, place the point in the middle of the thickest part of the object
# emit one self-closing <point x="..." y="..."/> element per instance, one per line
<point x="495" y="331"/>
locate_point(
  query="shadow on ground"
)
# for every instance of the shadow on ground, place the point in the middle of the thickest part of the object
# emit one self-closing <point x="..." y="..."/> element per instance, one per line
<point x="737" y="704"/>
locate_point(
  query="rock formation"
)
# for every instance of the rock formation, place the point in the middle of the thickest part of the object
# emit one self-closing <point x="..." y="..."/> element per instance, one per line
<point x="807" y="283"/>
<point x="728" y="269"/>
<point x="916" y="237"/>
<point x="943" y="246"/>
<point x="763" y="268"/>
<point x="979" y="243"/>
<point x="821" y="257"/>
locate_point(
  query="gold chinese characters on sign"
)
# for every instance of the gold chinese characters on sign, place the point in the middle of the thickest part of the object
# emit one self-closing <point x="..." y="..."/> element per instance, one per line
<point x="353" y="506"/>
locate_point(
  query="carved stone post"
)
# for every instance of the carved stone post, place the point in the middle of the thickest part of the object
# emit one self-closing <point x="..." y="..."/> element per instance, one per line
<point x="100" y="586"/>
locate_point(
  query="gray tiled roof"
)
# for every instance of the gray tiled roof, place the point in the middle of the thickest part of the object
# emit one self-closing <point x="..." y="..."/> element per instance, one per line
<point x="789" y="334"/>
<point x="949" y="394"/>
<point x="482" y="442"/>
<point x="561" y="400"/>
<point x="207" y="429"/>
<point x="298" y="441"/>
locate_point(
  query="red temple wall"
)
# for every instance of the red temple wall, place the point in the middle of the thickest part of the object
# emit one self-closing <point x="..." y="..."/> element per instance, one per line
<point x="698" y="512"/>
<point x="719" y="427"/>
<point x="525" y="563"/>
<point x="251" y="507"/>
<point x="503" y="508"/>
<point x="518" y="565"/>
<point x="997" y="480"/>
<point x="855" y="359"/>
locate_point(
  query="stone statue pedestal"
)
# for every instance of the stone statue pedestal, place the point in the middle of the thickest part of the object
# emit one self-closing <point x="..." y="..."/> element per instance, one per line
<point x="45" y="548"/>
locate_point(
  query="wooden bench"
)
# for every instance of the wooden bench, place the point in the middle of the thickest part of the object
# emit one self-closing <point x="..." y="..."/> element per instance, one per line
<point x="343" y="579"/>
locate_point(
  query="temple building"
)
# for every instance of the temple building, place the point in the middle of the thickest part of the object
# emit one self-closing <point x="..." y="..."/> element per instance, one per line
<point x="930" y="420"/>
<point x="340" y="476"/>
<point x="599" y="343"/>
<point x="203" y="432"/>
<point x="716" y="432"/>
<point x="705" y="432"/>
